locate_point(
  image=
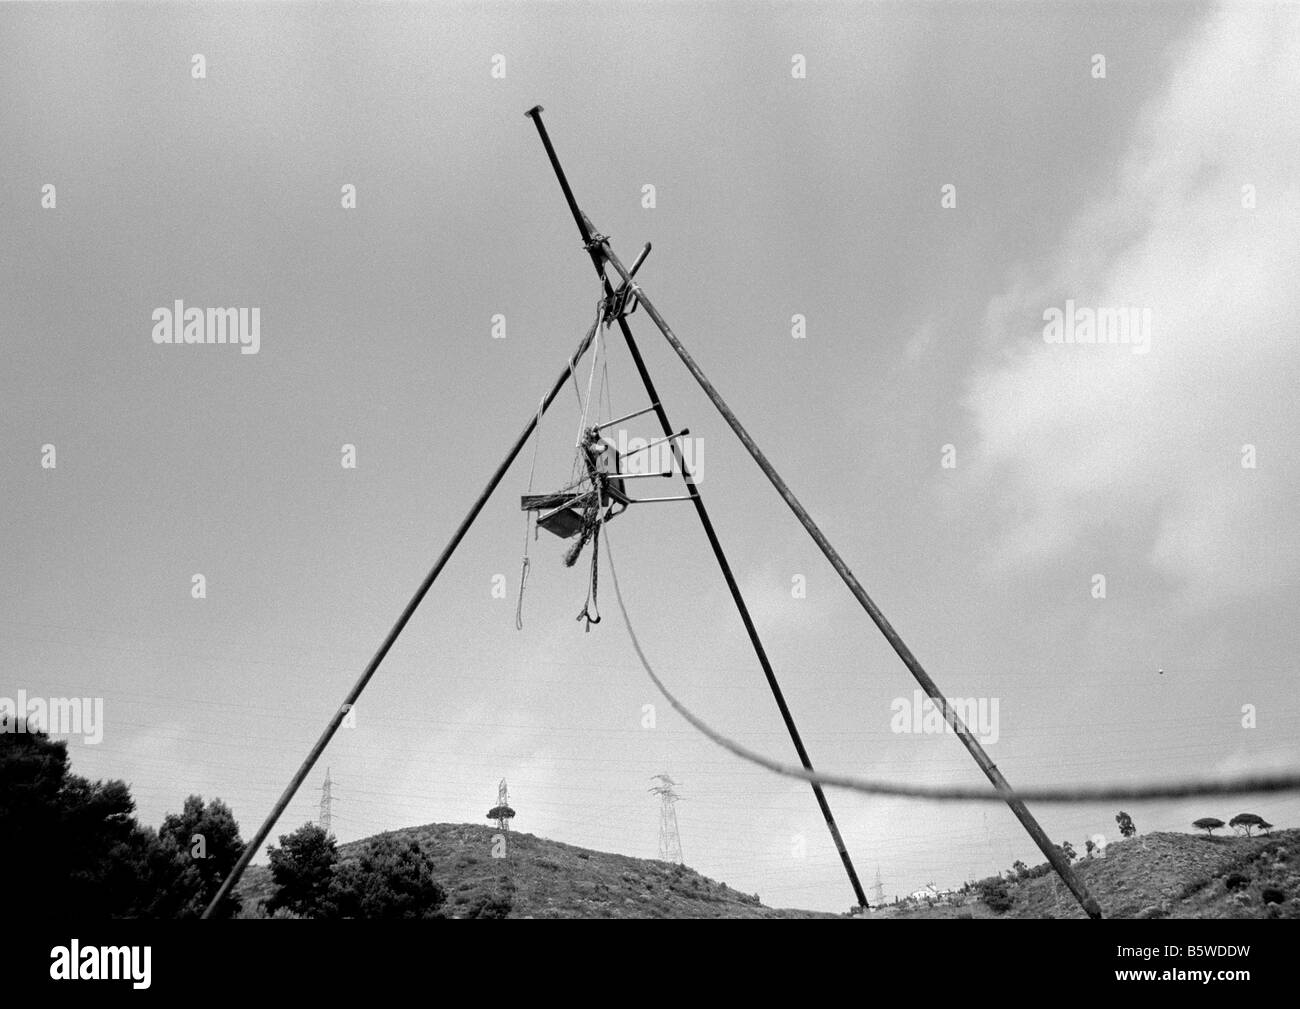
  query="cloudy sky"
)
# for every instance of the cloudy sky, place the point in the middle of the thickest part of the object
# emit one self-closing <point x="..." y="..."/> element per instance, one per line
<point x="1168" y="186"/>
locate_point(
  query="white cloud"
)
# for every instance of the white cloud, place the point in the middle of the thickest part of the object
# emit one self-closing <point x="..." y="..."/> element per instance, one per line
<point x="1075" y="436"/>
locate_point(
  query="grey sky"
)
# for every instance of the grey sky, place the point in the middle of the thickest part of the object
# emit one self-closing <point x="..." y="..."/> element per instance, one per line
<point x="776" y="196"/>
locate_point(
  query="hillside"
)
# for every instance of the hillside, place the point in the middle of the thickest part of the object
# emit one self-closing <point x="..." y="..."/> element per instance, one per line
<point x="1161" y="875"/>
<point x="1155" y="875"/>
<point x="547" y="879"/>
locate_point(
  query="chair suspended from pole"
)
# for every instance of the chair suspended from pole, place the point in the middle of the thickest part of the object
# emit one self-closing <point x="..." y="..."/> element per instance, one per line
<point x="602" y="487"/>
<point x="580" y="509"/>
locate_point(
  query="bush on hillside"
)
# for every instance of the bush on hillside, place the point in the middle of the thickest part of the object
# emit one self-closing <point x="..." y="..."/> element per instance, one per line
<point x="994" y="893"/>
<point x="302" y="869"/>
<point x="389" y="880"/>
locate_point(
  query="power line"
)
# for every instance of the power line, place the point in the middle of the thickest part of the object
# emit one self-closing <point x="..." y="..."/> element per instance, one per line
<point x="1184" y="672"/>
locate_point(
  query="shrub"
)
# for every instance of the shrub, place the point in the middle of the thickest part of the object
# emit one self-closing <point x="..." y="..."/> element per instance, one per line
<point x="184" y="881"/>
<point x="995" y="894"/>
<point x="69" y="842"/>
<point x="388" y="880"/>
<point x="490" y="907"/>
<point x="1209" y="824"/>
<point x="302" y="869"/>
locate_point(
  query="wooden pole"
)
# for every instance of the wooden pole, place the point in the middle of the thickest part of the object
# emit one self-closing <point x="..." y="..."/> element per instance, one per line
<point x="601" y="253"/>
<point x="597" y="258"/>
<point x="355" y="693"/>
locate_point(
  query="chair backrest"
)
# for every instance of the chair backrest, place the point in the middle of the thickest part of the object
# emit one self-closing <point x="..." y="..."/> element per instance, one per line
<point x="608" y="462"/>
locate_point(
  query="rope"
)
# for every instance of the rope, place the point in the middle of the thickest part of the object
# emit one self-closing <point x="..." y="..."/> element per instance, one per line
<point x="593" y="508"/>
<point x="584" y="405"/>
<point x="593" y="334"/>
<point x="591" y="603"/>
<point x="528" y="517"/>
<point x="605" y="387"/>
<point x="590" y="502"/>
<point x="1281" y="782"/>
<point x="595" y="355"/>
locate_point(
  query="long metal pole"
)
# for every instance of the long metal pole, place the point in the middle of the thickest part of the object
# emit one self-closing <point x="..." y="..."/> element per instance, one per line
<point x="597" y="258"/>
<point x="337" y="718"/>
<point x="986" y="765"/>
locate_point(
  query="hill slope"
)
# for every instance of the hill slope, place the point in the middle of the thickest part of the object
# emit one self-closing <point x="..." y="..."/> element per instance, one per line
<point x="1162" y="875"/>
<point x="539" y="878"/>
<point x="1153" y="875"/>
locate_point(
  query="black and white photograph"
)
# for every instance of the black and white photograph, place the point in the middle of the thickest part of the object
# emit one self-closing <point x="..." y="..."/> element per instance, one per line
<point x="649" y="459"/>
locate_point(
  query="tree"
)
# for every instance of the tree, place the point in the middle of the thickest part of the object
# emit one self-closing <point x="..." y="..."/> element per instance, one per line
<point x="1067" y="849"/>
<point x="1265" y="826"/>
<point x="1209" y="824"/>
<point x="1125" y="822"/>
<point x="388" y="880"/>
<point x="302" y="869"/>
<point x="1020" y="869"/>
<point x="1245" y="821"/>
<point x="199" y="847"/>
<point x="76" y="842"/>
<point x="1089" y="846"/>
<point x="994" y="893"/>
<point x="499" y="813"/>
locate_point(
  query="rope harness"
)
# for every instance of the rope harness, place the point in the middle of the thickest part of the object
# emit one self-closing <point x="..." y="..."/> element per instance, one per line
<point x="593" y="516"/>
<point x="591" y="502"/>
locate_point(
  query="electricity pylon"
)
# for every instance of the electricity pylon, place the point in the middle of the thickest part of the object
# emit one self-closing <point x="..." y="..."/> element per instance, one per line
<point x="326" y="802"/>
<point x="670" y="842"/>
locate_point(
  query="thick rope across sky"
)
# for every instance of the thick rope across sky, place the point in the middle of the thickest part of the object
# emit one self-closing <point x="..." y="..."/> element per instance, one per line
<point x="1249" y="783"/>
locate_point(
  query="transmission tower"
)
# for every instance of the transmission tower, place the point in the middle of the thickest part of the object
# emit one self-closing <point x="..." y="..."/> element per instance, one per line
<point x="878" y="890"/>
<point x="670" y="842"/>
<point x="326" y="801"/>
